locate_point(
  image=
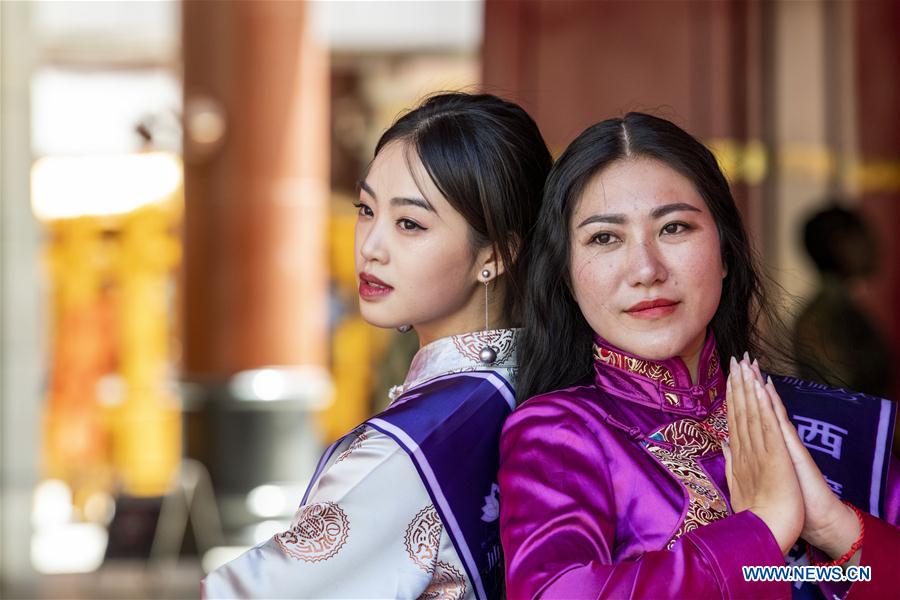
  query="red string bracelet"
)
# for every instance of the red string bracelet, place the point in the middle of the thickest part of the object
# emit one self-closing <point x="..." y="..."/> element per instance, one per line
<point x="853" y="549"/>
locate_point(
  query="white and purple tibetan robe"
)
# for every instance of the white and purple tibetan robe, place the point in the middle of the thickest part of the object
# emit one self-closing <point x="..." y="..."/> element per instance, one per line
<point x="405" y="506"/>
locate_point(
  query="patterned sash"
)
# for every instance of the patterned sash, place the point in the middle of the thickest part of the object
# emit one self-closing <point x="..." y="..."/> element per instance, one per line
<point x="849" y="436"/>
<point x="847" y="433"/>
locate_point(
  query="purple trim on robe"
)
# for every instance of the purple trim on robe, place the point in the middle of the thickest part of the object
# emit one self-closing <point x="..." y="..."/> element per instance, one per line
<point x="329" y="452"/>
<point x="450" y="427"/>
<point x="886" y="421"/>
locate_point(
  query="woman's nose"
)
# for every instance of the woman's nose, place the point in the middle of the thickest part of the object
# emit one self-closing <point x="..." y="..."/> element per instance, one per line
<point x="646" y="265"/>
<point x="370" y="239"/>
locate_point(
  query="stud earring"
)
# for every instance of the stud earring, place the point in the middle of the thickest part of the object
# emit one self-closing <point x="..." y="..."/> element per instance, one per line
<point x="488" y="353"/>
<point x="404" y="328"/>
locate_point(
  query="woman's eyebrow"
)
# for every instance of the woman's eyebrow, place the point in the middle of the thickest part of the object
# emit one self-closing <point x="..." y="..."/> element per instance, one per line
<point x="361" y="184"/>
<point x="665" y="209"/>
<point x="614" y="219"/>
<point x="420" y="202"/>
<point x="656" y="213"/>
<point x="399" y="200"/>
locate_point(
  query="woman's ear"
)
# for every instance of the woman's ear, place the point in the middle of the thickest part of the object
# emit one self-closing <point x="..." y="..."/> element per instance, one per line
<point x="490" y="259"/>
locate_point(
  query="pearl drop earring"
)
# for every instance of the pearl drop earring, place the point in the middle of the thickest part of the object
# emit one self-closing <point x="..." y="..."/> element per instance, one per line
<point x="488" y="353"/>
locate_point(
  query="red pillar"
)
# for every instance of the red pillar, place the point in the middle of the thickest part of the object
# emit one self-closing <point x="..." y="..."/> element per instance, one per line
<point x="878" y="126"/>
<point x="255" y="281"/>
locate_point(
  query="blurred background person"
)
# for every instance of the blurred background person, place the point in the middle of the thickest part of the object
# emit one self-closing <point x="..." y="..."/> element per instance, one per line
<point x="836" y="341"/>
<point x="833" y="331"/>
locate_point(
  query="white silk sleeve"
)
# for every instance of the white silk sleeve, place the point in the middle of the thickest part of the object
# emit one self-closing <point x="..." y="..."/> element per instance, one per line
<point x="368" y="530"/>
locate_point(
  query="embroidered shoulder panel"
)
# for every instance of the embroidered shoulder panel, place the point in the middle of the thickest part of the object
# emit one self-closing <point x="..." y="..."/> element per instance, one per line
<point x="690" y="441"/>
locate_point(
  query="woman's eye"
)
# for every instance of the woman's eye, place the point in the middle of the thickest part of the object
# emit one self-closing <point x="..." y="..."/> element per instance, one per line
<point x="673" y="228"/>
<point x="602" y="239"/>
<point x="363" y="210"/>
<point x="407" y="225"/>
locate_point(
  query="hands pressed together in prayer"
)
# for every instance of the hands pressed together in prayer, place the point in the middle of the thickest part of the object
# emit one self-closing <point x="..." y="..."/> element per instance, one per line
<point x="771" y="473"/>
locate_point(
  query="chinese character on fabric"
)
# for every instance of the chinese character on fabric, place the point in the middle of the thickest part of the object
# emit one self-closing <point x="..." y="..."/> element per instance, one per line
<point x="827" y="435"/>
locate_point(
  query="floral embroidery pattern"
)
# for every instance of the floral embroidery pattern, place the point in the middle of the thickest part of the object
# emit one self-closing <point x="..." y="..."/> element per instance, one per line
<point x="654" y="371"/>
<point x="716" y="424"/>
<point x="713" y="366"/>
<point x="447" y="583"/>
<point x="460" y="354"/>
<point x="712" y="371"/>
<point x="690" y="441"/>
<point x="491" y="510"/>
<point x="318" y="533"/>
<point x="423" y="538"/>
<point x="470" y="345"/>
<point x="645" y="368"/>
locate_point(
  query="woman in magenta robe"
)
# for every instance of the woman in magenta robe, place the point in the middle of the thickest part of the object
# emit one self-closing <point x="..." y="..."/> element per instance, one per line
<point x="642" y="466"/>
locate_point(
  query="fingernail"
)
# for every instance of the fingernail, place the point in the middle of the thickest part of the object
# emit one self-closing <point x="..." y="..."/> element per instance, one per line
<point x="755" y="363"/>
<point x="770" y="382"/>
<point x="745" y="371"/>
<point x="746" y="356"/>
<point x="733" y="363"/>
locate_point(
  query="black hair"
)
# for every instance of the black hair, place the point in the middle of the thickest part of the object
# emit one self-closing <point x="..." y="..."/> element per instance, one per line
<point x="487" y="157"/>
<point x="555" y="349"/>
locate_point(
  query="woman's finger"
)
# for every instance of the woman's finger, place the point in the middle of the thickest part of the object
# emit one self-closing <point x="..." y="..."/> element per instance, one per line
<point x="784" y="421"/>
<point x="737" y="425"/>
<point x="799" y="454"/>
<point x="754" y="366"/>
<point x="730" y="479"/>
<point x="726" y="452"/>
<point x="820" y="501"/>
<point x="756" y="436"/>
<point x="771" y="428"/>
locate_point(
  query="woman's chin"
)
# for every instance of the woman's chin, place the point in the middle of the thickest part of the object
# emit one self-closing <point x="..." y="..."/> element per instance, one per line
<point x="382" y="321"/>
<point x="385" y="323"/>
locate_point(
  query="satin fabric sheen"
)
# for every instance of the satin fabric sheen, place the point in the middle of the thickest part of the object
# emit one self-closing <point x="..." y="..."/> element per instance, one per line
<point x="587" y="512"/>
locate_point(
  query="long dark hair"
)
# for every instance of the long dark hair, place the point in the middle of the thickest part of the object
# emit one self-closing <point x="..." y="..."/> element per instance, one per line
<point x="556" y="345"/>
<point x="487" y="157"/>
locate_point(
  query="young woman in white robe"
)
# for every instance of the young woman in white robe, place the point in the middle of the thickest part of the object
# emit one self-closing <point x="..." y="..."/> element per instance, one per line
<point x="406" y="505"/>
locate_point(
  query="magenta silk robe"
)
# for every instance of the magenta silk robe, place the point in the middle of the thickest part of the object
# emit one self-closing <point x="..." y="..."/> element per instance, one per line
<point x="617" y="489"/>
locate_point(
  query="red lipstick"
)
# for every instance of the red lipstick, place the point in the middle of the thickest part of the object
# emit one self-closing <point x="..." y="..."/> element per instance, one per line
<point x="653" y="309"/>
<point x="372" y="288"/>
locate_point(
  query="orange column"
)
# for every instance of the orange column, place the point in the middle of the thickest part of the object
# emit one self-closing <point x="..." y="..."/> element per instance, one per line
<point x="256" y="185"/>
